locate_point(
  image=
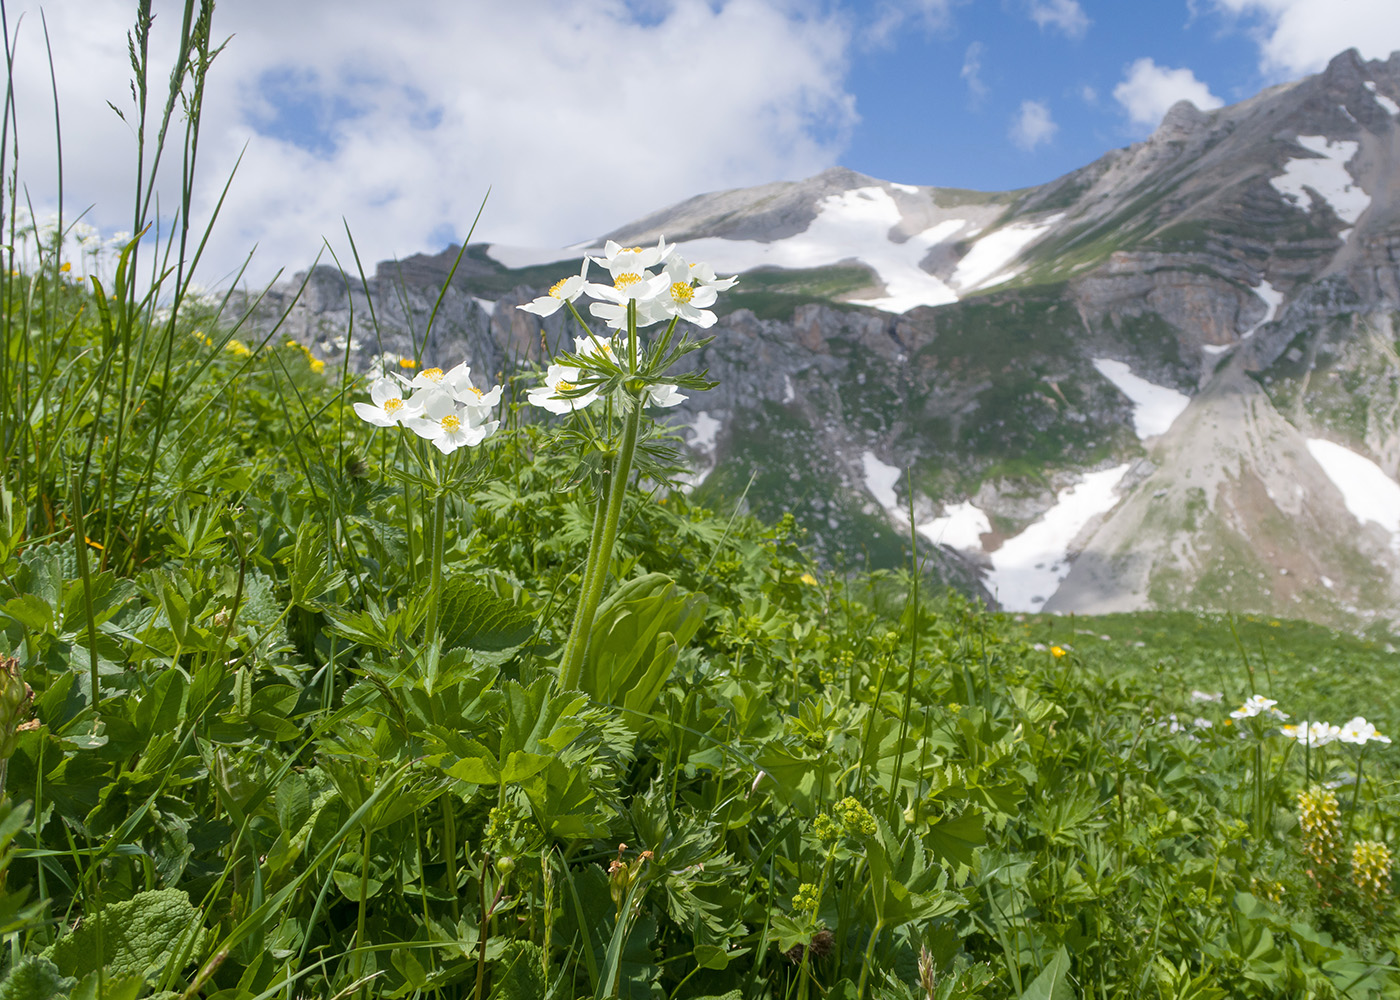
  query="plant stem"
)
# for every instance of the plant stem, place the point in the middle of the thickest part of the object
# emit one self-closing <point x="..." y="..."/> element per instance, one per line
<point x="869" y="951"/>
<point x="439" y="529"/>
<point x="590" y="568"/>
<point x="572" y="665"/>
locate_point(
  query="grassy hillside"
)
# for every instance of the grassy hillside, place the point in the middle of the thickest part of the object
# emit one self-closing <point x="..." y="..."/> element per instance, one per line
<point x="251" y="775"/>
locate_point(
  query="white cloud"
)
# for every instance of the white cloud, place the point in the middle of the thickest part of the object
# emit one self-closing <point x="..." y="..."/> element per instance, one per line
<point x="578" y="117"/>
<point x="1148" y="90"/>
<point x="1033" y="125"/>
<point x="1300" y="36"/>
<point x="1064" y="15"/>
<point x="891" y="16"/>
<point x="972" y="71"/>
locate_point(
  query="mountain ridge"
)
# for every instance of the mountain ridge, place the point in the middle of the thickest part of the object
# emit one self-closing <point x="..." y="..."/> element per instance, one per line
<point x="1246" y="259"/>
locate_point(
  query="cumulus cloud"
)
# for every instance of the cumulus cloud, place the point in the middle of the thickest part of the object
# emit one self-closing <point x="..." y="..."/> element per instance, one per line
<point x="1033" y="125"/>
<point x="1148" y="90"/>
<point x="1063" y="15"/>
<point x="972" y="71"/>
<point x="1300" y="36"/>
<point x="578" y="117"/>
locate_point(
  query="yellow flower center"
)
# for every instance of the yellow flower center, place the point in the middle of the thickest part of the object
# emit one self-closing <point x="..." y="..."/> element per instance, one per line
<point x="633" y="250"/>
<point x="562" y="386"/>
<point x="479" y="393"/>
<point x="554" y="289"/>
<point x="625" y="279"/>
<point x="682" y="292"/>
<point x="450" y="422"/>
<point x="393" y="405"/>
<point x="433" y="374"/>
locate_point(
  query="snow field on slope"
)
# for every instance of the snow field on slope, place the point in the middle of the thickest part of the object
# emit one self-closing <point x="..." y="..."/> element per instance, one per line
<point x="960" y="527"/>
<point x="1030" y="567"/>
<point x="880" y="480"/>
<point x="1155" y="407"/>
<point x="1327" y="178"/>
<point x="852" y="225"/>
<point x="1369" y="493"/>
<point x="1390" y="106"/>
<point x="986" y="262"/>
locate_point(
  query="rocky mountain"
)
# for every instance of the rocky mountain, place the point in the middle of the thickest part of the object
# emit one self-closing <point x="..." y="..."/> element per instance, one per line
<point x="1167" y="379"/>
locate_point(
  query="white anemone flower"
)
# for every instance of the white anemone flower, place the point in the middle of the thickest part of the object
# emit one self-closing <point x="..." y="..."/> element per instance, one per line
<point x="704" y="274"/>
<point x="619" y="259"/>
<point x="1360" y="732"/>
<point x="478" y="403"/>
<point x="1312" y="734"/>
<point x="678" y="297"/>
<point x="557" y="379"/>
<point x="663" y="394"/>
<point x="449" y="425"/>
<point x="387" y="406"/>
<point x="1258" y="705"/>
<point x="596" y="347"/>
<point x="565" y="290"/>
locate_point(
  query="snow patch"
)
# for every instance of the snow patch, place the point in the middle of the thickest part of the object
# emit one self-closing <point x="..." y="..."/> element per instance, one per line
<point x="514" y="257"/>
<point x="1155" y="407"/>
<point x="1272" y="299"/>
<point x="789" y="393"/>
<point x="880" y="480"/>
<point x="910" y="188"/>
<point x="487" y="306"/>
<point x="706" y="431"/>
<point x="1369" y="493"/>
<point x="1028" y="568"/>
<point x="856" y="225"/>
<point x="1214" y="349"/>
<point x="986" y="262"/>
<point x="961" y="527"/>
<point x="1390" y="106"/>
<point x="1324" y="178"/>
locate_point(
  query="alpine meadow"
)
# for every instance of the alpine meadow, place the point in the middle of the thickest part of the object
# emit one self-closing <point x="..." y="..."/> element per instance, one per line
<point x="399" y="636"/>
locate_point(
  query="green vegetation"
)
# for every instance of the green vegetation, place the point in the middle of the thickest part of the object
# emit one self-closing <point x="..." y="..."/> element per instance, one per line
<point x="281" y="717"/>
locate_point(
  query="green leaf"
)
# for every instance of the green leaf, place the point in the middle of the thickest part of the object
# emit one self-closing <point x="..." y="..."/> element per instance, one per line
<point x="138" y="936"/>
<point x="474" y="617"/>
<point x="30" y="612"/>
<point x="35" y="978"/>
<point x="956" y="840"/>
<point x="1053" y="981"/>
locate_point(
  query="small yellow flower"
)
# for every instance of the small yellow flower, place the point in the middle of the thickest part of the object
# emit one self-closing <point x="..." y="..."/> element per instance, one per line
<point x="317" y="365"/>
<point x="1057" y="651"/>
<point x="808" y="579"/>
<point x="407" y="363"/>
<point x="65" y="267"/>
<point x="238" y="348"/>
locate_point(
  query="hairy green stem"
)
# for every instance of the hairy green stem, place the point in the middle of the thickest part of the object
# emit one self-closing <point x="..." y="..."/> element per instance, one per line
<point x="595" y="579"/>
<point x="439" y="530"/>
<point x="590" y="569"/>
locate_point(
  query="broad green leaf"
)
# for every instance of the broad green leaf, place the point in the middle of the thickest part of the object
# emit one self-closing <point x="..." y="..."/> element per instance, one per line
<point x="956" y="839"/>
<point x="30" y="612"/>
<point x="137" y="936"/>
<point x="1053" y="981"/>
<point x="35" y="978"/>
<point x="474" y="617"/>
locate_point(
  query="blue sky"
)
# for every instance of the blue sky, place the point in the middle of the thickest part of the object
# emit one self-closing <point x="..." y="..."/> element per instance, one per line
<point x="939" y="103"/>
<point x="581" y="117"/>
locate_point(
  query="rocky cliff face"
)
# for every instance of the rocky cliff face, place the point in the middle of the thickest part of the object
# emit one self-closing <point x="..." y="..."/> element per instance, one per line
<point x="1167" y="379"/>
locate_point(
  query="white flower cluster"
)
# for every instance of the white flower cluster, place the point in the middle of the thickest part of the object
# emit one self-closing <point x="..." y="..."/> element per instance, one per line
<point x="1258" y="705"/>
<point x="562" y="379"/>
<point x="1357" y="732"/>
<point x="444" y="407"/>
<point x="678" y="290"/>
